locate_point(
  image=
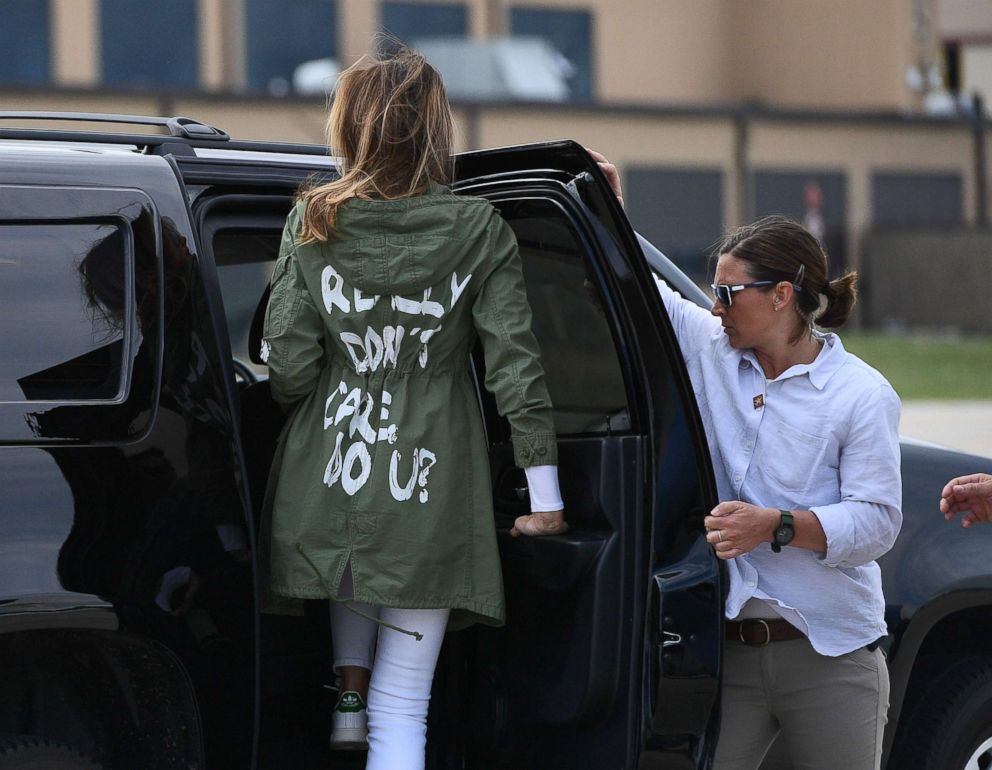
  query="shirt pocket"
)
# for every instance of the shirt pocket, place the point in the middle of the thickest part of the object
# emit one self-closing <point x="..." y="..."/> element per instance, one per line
<point x="791" y="460"/>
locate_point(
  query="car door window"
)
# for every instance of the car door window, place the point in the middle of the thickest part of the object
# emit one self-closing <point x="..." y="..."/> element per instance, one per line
<point x="244" y="264"/>
<point x="578" y="352"/>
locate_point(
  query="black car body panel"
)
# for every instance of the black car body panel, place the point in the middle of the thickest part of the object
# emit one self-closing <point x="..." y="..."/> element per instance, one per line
<point x="120" y="462"/>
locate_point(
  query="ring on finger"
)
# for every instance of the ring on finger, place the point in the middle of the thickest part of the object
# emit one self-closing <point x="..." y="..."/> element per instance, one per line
<point x="719" y="535"/>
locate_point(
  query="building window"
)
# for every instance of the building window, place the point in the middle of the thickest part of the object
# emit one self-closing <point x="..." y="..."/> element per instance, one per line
<point x="413" y="21"/>
<point x="149" y="44"/>
<point x="680" y="210"/>
<point x="282" y="35"/>
<point x="24" y="42"/>
<point x="906" y="199"/>
<point x="816" y="198"/>
<point x="570" y="33"/>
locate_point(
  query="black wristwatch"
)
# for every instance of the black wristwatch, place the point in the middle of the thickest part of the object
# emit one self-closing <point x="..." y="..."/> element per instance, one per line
<point x="784" y="532"/>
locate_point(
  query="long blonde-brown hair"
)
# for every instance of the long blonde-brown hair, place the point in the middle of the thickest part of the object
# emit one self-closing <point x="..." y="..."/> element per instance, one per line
<point x="391" y="125"/>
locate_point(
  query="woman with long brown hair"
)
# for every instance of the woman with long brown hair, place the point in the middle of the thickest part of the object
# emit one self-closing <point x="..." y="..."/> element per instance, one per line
<point x="382" y="504"/>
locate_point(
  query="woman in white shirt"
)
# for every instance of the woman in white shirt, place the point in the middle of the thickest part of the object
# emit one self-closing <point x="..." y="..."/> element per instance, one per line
<point x="805" y="448"/>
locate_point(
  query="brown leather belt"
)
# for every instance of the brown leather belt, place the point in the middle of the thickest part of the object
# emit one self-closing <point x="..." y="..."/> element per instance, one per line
<point x="756" y="632"/>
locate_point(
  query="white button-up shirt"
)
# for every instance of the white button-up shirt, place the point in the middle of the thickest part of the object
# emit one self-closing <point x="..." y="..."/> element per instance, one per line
<point x="822" y="437"/>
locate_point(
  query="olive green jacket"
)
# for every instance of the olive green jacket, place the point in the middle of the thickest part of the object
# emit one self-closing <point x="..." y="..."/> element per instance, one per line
<point x="383" y="462"/>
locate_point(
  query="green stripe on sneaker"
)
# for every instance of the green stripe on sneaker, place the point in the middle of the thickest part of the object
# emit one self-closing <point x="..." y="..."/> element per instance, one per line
<point x="350" y="703"/>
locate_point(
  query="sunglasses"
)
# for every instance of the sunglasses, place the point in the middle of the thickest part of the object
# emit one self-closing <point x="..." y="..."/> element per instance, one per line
<point x="724" y="292"/>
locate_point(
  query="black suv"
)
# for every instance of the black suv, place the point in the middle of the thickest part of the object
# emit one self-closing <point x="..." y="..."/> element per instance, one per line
<point x="137" y="432"/>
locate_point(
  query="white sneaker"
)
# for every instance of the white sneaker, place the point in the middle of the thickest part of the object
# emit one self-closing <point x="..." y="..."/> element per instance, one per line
<point x="350" y="723"/>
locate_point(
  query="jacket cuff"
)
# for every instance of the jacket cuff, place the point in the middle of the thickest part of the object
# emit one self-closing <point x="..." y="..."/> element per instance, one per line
<point x="535" y="449"/>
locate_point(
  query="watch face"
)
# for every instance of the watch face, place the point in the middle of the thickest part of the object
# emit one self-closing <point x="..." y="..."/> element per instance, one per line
<point x="784" y="534"/>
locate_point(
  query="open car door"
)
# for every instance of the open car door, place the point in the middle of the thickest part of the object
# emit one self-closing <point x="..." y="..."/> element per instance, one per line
<point x="610" y="655"/>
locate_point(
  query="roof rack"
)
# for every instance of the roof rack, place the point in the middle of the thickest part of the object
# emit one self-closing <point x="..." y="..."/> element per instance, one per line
<point x="179" y="127"/>
<point x="182" y="131"/>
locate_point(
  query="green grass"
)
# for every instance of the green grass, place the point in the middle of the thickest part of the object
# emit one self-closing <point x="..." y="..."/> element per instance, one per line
<point x="928" y="366"/>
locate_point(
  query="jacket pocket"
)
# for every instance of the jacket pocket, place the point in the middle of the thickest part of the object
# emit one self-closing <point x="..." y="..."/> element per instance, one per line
<point x="283" y="295"/>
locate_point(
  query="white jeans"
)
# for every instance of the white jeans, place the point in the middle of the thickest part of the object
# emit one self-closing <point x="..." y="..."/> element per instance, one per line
<point x="402" y="673"/>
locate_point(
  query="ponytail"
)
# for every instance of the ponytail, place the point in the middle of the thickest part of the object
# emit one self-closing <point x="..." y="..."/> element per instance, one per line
<point x="841" y="295"/>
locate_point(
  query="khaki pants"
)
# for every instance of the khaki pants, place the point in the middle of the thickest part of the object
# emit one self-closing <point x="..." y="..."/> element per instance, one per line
<point x="831" y="711"/>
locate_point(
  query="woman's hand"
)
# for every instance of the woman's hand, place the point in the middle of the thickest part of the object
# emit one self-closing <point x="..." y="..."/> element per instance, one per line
<point x="734" y="528"/>
<point x="542" y="523"/>
<point x="609" y="171"/>
<point x="971" y="495"/>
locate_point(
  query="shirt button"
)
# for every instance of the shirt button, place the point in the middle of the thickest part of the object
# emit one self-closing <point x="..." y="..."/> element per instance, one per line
<point x="737" y="478"/>
<point x="749" y="444"/>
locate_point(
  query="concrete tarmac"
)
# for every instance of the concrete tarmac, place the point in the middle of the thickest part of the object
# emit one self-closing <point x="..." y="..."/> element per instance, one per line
<point x="963" y="425"/>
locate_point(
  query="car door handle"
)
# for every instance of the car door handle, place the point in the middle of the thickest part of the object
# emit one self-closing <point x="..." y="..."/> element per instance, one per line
<point x="555" y="561"/>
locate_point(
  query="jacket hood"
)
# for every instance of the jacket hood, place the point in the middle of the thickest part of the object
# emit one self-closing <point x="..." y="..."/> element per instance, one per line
<point x="398" y="247"/>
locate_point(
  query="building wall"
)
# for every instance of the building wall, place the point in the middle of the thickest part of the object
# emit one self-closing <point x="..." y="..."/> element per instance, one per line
<point x="964" y="19"/>
<point x="75" y="36"/>
<point x="862" y="154"/>
<point x="669" y="51"/>
<point x="842" y="54"/>
<point x="846" y="54"/>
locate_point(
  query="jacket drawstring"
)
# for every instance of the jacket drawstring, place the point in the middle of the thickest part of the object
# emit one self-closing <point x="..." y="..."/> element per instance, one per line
<point x="347" y="605"/>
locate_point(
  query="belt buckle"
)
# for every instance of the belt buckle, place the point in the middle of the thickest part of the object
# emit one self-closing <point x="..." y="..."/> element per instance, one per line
<point x="768" y="632"/>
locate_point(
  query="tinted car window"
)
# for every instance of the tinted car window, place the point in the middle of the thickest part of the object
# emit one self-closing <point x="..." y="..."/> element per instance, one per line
<point x="244" y="263"/>
<point x="66" y="298"/>
<point x="577" y="349"/>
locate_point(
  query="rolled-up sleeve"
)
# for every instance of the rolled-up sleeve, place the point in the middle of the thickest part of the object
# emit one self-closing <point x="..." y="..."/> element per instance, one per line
<point x="514" y="374"/>
<point x="293" y="335"/>
<point x="865" y="523"/>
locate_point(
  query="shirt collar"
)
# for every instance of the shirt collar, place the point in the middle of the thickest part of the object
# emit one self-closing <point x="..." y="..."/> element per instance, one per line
<point x="831" y="358"/>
